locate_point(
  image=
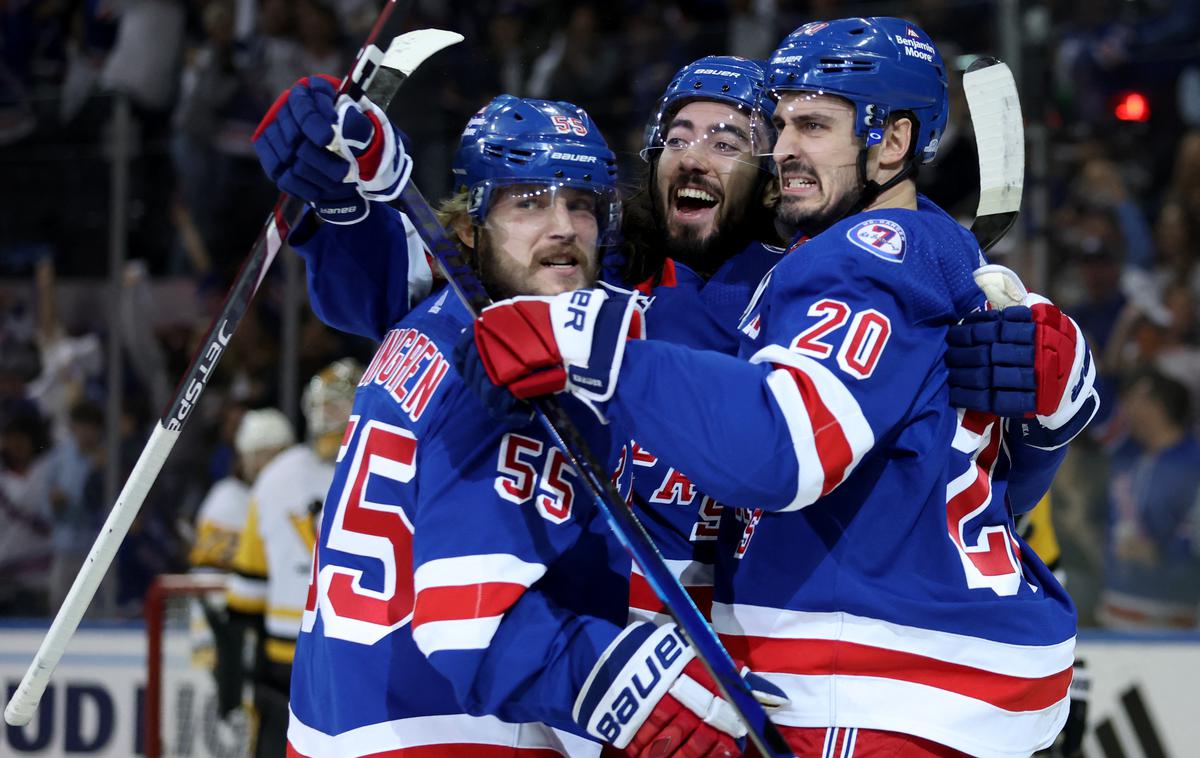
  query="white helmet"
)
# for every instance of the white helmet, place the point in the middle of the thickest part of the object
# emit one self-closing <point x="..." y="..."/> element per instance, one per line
<point x="262" y="430"/>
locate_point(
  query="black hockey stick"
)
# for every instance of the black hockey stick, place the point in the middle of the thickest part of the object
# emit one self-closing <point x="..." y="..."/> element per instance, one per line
<point x="404" y="54"/>
<point x="462" y="278"/>
<point x="1000" y="141"/>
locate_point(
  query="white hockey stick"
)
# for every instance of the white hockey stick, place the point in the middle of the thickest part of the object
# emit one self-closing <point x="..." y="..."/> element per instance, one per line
<point x="1000" y="140"/>
<point x="376" y="75"/>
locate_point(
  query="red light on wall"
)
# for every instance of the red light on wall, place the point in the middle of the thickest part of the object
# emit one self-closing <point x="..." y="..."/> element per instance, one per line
<point x="1132" y="106"/>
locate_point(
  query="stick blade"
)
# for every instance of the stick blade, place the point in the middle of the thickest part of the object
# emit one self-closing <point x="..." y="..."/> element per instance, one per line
<point x="1000" y="139"/>
<point x="407" y="51"/>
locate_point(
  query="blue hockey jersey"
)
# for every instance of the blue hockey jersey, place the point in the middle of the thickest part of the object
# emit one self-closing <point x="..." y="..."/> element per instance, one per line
<point x="869" y="565"/>
<point x="464" y="584"/>
<point x="685" y="309"/>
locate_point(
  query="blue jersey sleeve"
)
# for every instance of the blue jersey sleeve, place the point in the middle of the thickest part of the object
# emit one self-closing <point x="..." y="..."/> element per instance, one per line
<point x="1032" y="469"/>
<point x="519" y="590"/>
<point x="847" y="345"/>
<point x="362" y="278"/>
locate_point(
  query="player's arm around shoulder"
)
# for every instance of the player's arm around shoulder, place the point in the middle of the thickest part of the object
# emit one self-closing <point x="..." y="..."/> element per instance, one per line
<point x="851" y="328"/>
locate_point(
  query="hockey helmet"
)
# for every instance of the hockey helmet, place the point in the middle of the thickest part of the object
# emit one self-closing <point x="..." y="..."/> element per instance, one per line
<point x="881" y="65"/>
<point x="550" y="144"/>
<point x="263" y="429"/>
<point x="717" y="78"/>
<point x="329" y="397"/>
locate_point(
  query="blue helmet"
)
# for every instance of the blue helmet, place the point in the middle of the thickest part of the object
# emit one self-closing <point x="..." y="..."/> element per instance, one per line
<point x="881" y="65"/>
<point x="721" y="78"/>
<point x="514" y="140"/>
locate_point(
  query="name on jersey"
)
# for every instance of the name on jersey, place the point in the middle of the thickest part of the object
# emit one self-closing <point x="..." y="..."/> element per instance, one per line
<point x="880" y="237"/>
<point x="410" y="367"/>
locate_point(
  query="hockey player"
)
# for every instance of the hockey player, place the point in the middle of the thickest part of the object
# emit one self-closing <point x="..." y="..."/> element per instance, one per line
<point x="467" y="595"/>
<point x="273" y="562"/>
<point x="690" y="234"/>
<point x="871" y="566"/>
<point x="260" y="436"/>
<point x="702" y="206"/>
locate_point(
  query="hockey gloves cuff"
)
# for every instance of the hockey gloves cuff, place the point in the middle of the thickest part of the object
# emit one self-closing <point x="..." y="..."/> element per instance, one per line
<point x="1026" y="358"/>
<point x="571" y="342"/>
<point x="649" y="695"/>
<point x="333" y="154"/>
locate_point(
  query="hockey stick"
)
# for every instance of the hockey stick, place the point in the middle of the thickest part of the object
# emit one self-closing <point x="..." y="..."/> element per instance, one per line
<point x="376" y="75"/>
<point x="1000" y="140"/>
<point x="462" y="278"/>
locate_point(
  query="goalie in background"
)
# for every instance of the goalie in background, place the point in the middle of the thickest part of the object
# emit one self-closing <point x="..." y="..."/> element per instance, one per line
<point x="273" y="560"/>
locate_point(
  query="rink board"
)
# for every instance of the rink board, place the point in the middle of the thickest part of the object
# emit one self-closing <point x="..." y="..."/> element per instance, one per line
<point x="1143" y="689"/>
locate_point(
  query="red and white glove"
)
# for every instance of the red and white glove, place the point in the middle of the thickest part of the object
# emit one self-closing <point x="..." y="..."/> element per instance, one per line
<point x="373" y="148"/>
<point x="650" y="696"/>
<point x="571" y="342"/>
<point x="1066" y="397"/>
<point x="331" y="151"/>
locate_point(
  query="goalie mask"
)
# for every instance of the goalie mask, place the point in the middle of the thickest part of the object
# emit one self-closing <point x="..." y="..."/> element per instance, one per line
<point x="326" y="403"/>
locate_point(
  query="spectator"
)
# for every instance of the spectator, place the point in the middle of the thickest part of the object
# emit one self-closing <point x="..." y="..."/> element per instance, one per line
<point x="25" y="515"/>
<point x="580" y="65"/>
<point x="1177" y="252"/>
<point x="1153" y="564"/>
<point x="1160" y="330"/>
<point x="76" y="470"/>
<point x="319" y="32"/>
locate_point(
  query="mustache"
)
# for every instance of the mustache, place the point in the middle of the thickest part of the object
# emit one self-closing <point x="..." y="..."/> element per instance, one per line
<point x="796" y="166"/>
<point x="574" y="249"/>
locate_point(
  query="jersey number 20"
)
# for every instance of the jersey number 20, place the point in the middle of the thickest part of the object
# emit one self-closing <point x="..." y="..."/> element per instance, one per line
<point x="862" y="344"/>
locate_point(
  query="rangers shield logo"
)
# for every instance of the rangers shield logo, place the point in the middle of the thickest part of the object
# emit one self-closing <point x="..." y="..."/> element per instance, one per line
<point x="880" y="237"/>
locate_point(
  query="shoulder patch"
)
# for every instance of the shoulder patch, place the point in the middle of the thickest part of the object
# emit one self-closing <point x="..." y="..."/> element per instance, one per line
<point x="880" y="237"/>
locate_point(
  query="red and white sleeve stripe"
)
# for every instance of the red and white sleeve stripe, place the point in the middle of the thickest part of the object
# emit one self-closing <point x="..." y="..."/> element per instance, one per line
<point x="829" y="432"/>
<point x="460" y="601"/>
<point x="697" y="581"/>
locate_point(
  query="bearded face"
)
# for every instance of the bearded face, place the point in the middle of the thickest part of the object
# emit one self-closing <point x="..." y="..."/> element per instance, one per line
<point x="816" y="154"/>
<point x="705" y="177"/>
<point x="539" y="241"/>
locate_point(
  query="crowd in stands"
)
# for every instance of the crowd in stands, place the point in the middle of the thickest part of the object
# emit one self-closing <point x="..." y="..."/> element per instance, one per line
<point x="1119" y="196"/>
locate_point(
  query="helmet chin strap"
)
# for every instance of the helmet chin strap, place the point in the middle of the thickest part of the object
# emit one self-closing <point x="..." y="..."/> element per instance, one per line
<point x="871" y="189"/>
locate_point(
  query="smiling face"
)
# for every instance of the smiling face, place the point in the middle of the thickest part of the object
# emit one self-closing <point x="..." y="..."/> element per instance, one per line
<point x="816" y="154"/>
<point x="539" y="241"/>
<point x="706" y="173"/>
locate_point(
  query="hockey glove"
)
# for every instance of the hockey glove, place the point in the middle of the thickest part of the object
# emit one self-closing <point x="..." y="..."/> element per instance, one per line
<point x="335" y="155"/>
<point x="650" y="696"/>
<point x="1025" y="359"/>
<point x="570" y="342"/>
